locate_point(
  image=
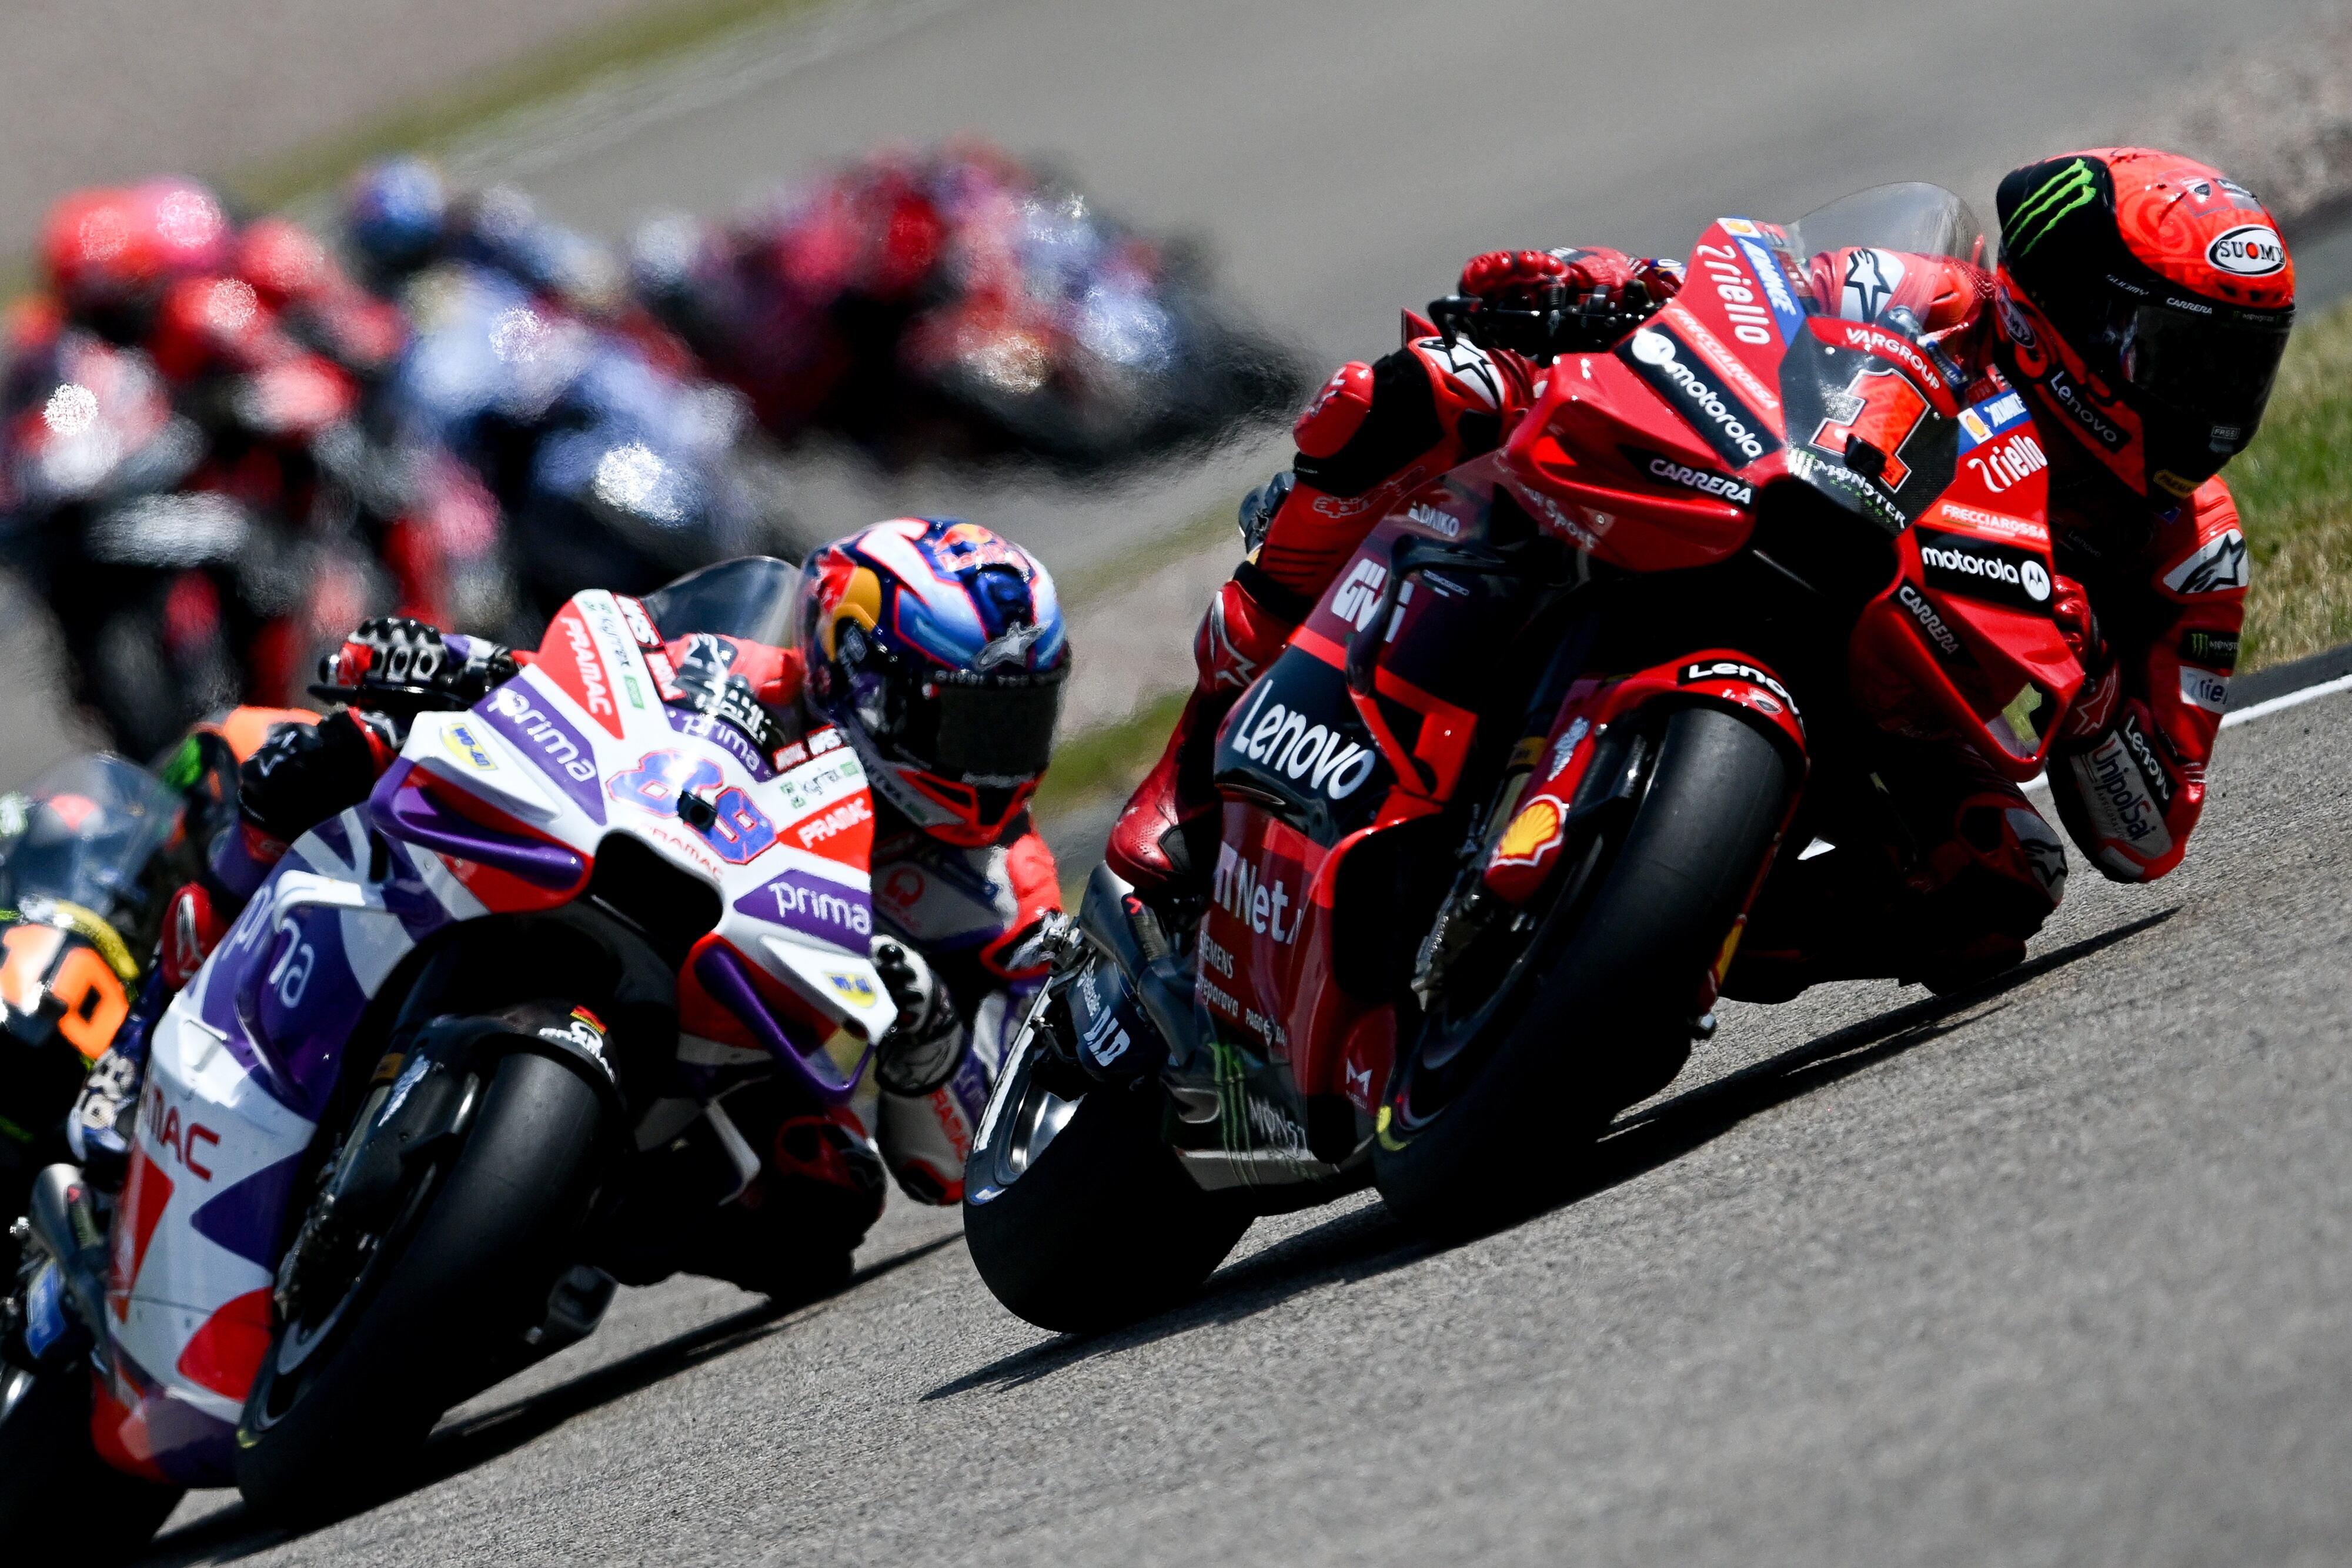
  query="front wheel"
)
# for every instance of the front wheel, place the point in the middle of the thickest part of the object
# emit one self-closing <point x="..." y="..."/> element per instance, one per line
<point x="1494" y="1098"/>
<point x="1078" y="1215"/>
<point x="59" y="1503"/>
<point x="354" y="1379"/>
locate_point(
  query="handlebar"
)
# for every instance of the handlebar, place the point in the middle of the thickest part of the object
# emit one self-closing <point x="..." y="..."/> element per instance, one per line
<point x="1552" y="327"/>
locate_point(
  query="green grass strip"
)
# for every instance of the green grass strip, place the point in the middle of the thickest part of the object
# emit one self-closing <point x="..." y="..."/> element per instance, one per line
<point x="2294" y="488"/>
<point x="1098" y="764"/>
<point x="640" y="37"/>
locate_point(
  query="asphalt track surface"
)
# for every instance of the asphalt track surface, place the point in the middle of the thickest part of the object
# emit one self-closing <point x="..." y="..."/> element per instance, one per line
<point x="2055" y="1272"/>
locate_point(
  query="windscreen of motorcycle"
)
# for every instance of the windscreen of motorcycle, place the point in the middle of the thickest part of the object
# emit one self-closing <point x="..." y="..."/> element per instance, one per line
<point x="750" y="598"/>
<point x="1912" y="217"/>
<point x="85" y="835"/>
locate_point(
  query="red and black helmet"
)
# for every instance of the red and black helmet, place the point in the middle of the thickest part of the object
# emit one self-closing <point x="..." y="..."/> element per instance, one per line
<point x="2145" y="300"/>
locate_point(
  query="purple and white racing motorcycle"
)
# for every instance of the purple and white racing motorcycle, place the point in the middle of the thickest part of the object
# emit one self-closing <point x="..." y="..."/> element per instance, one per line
<point x="469" y="1040"/>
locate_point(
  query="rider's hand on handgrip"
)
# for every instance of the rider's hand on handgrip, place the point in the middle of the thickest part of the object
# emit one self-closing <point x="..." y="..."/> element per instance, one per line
<point x="396" y="663"/>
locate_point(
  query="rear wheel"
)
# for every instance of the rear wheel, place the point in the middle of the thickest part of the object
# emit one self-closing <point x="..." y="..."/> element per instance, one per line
<point x="423" y="1315"/>
<point x="1077" y="1214"/>
<point x="59" y="1503"/>
<point x="1511" y="1077"/>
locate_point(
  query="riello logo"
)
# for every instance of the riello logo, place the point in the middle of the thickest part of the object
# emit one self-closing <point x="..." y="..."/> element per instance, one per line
<point x="2009" y="463"/>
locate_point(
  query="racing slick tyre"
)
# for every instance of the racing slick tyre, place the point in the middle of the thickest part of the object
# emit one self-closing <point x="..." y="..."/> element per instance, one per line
<point x="1078" y="1217"/>
<point x="1495" y="1099"/>
<point x="353" y="1380"/>
<point x="59" y="1503"/>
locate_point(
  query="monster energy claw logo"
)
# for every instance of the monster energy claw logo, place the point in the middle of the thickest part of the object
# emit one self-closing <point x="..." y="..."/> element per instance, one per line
<point x="2067" y="191"/>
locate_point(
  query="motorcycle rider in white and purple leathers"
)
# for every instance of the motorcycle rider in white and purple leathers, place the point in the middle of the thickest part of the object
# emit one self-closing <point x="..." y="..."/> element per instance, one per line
<point x="938" y="650"/>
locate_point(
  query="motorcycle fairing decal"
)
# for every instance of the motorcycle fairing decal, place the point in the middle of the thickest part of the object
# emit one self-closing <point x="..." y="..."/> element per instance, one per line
<point x="1995" y="415"/>
<point x="246" y="1217"/>
<point x="1282" y="1030"/>
<point x="145" y="1190"/>
<point x="1718" y="357"/>
<point x="721" y="734"/>
<point x="224" y="1355"/>
<point x="569" y="657"/>
<point x="738" y="832"/>
<point x="1740" y="290"/>
<point x="479" y="761"/>
<point x="1442" y="731"/>
<point x="1297" y="738"/>
<point x="524" y="712"/>
<point x="1897" y="351"/>
<point x="833" y="912"/>
<point x="1705" y="400"/>
<point x="1997" y="571"/>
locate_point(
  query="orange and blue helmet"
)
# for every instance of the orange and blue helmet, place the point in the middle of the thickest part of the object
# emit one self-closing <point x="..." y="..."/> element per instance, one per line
<point x="939" y="648"/>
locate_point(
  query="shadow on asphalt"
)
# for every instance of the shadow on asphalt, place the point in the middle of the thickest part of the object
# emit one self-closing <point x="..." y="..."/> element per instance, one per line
<point x="1365" y="1242"/>
<point x="477" y="1440"/>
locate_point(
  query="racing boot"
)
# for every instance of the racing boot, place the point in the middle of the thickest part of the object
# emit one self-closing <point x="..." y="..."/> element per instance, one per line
<point x="1163" y="840"/>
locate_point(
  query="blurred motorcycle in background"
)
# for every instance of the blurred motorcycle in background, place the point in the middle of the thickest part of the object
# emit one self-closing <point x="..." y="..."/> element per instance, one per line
<point x="220" y="449"/>
<point x="954" y="303"/>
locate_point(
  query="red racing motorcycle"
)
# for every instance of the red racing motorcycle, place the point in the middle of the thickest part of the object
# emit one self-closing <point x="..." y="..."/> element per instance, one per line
<point x="1495" y="820"/>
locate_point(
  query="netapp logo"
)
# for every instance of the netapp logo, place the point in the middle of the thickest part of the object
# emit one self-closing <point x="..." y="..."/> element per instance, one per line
<point x="1738" y="434"/>
<point x="1984" y="570"/>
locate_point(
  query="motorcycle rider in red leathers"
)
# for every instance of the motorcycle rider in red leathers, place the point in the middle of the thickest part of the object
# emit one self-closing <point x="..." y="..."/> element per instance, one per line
<point x="963" y="881"/>
<point x="2140" y="305"/>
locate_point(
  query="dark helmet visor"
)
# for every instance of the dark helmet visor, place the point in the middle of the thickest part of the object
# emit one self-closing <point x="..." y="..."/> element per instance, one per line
<point x="2217" y="370"/>
<point x="995" y="731"/>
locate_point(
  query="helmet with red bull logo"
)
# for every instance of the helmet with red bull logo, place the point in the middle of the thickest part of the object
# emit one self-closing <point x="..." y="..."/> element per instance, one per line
<point x="939" y="647"/>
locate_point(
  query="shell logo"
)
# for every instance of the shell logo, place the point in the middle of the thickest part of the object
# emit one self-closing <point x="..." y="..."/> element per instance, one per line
<point x="1535" y="829"/>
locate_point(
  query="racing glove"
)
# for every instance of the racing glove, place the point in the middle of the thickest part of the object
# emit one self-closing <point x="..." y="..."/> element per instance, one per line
<point x="305" y="773"/>
<point x="924" y="1046"/>
<point x="1545" y="302"/>
<point x="397" y="664"/>
<point x="1516" y="277"/>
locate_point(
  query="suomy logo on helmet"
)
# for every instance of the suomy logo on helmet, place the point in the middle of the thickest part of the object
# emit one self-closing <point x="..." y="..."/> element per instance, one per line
<point x="2250" y="250"/>
<point x="2070" y="189"/>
